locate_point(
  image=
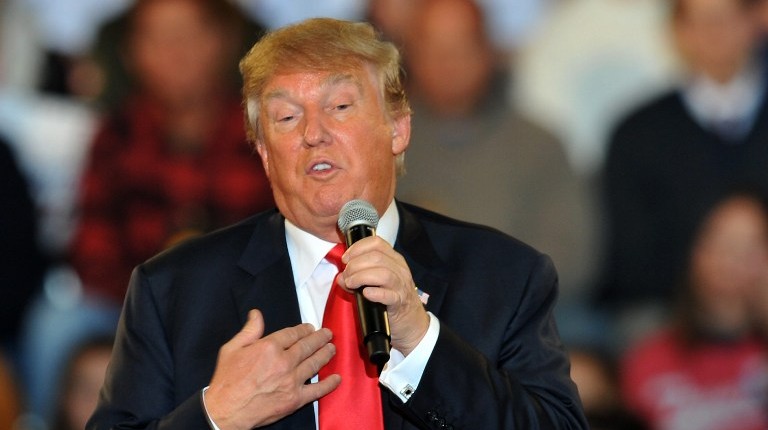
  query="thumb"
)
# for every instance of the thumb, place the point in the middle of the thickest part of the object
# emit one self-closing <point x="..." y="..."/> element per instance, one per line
<point x="253" y="329"/>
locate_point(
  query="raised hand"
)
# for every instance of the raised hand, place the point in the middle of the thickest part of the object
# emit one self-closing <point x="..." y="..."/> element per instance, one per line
<point x="259" y="380"/>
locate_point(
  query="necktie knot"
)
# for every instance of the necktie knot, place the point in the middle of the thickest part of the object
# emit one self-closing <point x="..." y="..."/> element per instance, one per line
<point x="334" y="256"/>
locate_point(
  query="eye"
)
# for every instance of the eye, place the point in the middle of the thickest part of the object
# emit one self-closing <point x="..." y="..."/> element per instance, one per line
<point x="343" y="107"/>
<point x="286" y="118"/>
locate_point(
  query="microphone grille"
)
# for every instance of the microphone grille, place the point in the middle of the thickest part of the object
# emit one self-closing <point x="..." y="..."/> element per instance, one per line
<point x="356" y="212"/>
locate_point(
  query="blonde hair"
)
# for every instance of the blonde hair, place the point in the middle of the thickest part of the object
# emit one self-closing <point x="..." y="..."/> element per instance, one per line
<point x="321" y="44"/>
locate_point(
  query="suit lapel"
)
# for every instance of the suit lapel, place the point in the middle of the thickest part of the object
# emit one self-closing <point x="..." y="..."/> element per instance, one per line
<point x="271" y="290"/>
<point x="425" y="264"/>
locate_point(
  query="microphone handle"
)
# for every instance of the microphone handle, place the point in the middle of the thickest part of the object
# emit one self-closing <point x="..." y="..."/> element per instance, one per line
<point x="374" y="321"/>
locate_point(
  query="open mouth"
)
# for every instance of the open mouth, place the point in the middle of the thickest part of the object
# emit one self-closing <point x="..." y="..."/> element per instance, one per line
<point x="321" y="167"/>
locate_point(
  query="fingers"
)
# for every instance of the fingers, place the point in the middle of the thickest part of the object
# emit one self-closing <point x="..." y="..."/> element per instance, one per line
<point x="259" y="382"/>
<point x="311" y="365"/>
<point x="251" y="331"/>
<point x="310" y="344"/>
<point x="381" y="295"/>
<point x="302" y="340"/>
<point x="288" y="337"/>
<point x="319" y="389"/>
<point x="378" y="267"/>
<point x="306" y="349"/>
<point x="367" y="246"/>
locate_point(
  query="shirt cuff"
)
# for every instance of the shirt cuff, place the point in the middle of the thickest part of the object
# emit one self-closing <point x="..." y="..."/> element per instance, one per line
<point x="205" y="410"/>
<point x="401" y="375"/>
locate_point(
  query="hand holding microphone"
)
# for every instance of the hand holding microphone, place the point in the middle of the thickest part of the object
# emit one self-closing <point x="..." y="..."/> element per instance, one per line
<point x="357" y="220"/>
<point x="390" y="310"/>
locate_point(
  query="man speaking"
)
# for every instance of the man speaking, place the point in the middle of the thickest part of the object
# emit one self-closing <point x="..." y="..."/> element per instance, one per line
<point x="255" y="326"/>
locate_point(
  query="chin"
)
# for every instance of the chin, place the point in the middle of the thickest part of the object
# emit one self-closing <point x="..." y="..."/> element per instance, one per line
<point x="329" y="204"/>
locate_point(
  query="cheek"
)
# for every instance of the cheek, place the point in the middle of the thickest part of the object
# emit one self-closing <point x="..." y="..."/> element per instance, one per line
<point x="376" y="153"/>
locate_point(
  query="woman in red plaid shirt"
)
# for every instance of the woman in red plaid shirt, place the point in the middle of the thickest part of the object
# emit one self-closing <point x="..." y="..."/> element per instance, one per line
<point x="172" y="161"/>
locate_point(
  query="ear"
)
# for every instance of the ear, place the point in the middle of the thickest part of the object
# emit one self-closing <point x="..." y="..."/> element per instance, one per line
<point x="261" y="148"/>
<point x="401" y="134"/>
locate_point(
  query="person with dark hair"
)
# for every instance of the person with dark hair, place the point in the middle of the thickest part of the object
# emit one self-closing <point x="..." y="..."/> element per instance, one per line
<point x="708" y="367"/>
<point x="172" y="160"/>
<point x="224" y="331"/>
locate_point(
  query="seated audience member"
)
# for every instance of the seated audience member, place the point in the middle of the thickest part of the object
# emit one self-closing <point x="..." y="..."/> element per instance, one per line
<point x="670" y="159"/>
<point x="226" y="330"/>
<point x="708" y="369"/>
<point x="80" y="383"/>
<point x="474" y="158"/>
<point x="172" y="161"/>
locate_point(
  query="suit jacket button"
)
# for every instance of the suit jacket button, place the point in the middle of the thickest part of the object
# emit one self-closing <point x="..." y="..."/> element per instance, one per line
<point x="432" y="416"/>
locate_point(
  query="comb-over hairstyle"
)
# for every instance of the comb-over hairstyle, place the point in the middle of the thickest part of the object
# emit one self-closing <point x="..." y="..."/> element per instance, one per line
<point x="320" y="44"/>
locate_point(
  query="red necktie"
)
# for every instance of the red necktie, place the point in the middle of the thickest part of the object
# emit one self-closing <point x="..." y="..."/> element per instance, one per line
<point x="356" y="403"/>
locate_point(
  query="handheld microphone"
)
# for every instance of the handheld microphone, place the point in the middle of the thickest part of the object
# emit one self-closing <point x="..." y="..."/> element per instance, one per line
<point x="357" y="220"/>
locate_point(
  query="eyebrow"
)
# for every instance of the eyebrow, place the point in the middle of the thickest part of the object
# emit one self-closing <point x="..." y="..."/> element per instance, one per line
<point x="342" y="78"/>
<point x="330" y="81"/>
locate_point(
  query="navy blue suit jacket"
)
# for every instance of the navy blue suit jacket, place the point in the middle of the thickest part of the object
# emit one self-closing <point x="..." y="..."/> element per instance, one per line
<point x="498" y="362"/>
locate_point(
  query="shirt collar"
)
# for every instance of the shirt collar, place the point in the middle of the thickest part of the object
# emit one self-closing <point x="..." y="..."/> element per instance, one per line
<point x="307" y="251"/>
<point x="736" y="100"/>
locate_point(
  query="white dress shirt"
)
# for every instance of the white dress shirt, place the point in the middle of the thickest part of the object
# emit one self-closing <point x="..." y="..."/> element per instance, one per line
<point x="729" y="107"/>
<point x="313" y="276"/>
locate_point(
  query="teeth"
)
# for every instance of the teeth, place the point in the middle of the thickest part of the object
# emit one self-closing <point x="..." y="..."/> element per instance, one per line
<point x="321" y="166"/>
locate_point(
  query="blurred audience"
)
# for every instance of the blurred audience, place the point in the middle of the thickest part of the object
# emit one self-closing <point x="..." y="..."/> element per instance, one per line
<point x="80" y="383"/>
<point x="596" y="376"/>
<point x="474" y="158"/>
<point x="170" y="161"/>
<point x="708" y="369"/>
<point x="277" y="13"/>
<point x="32" y="119"/>
<point x="511" y="23"/>
<point x="10" y="395"/>
<point x="67" y="28"/>
<point x="671" y="158"/>
<point x="21" y="47"/>
<point x="587" y="64"/>
<point x="117" y="82"/>
<point x="393" y="18"/>
<point x="21" y="262"/>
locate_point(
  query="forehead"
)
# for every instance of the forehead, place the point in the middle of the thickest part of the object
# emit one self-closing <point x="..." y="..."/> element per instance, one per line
<point x="319" y="82"/>
<point x="694" y="8"/>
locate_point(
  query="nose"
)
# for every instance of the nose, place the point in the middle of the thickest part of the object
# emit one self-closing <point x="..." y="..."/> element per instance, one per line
<point x="315" y="130"/>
